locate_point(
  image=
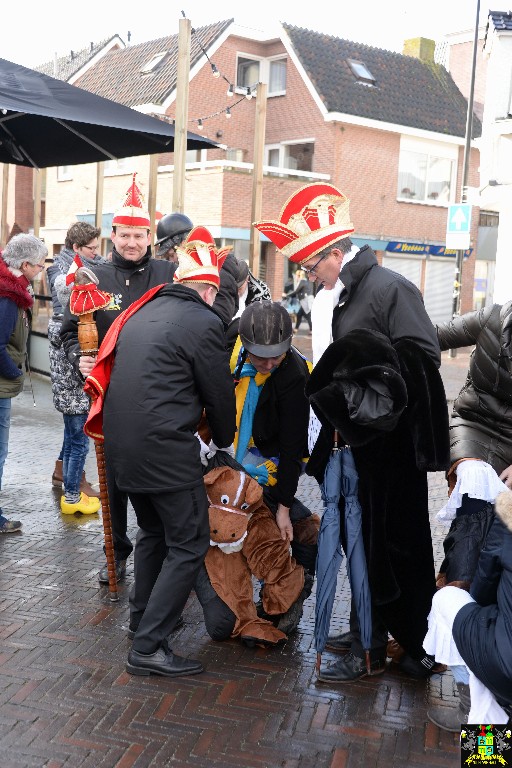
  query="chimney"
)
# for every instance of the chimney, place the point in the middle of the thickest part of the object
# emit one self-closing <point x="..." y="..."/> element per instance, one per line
<point x="420" y="47"/>
<point x="92" y="47"/>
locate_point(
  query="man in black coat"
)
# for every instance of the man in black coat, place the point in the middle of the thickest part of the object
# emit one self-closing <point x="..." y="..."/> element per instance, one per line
<point x="313" y="231"/>
<point x="170" y="364"/>
<point x="127" y="277"/>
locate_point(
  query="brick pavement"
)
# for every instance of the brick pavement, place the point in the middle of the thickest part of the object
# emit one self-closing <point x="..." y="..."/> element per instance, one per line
<point x="66" y="700"/>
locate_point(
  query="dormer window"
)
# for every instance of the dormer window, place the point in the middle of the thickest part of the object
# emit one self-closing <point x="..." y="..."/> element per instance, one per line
<point x="153" y="63"/>
<point x="361" y="72"/>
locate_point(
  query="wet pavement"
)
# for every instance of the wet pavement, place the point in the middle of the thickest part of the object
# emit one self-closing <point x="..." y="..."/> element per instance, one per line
<point x="66" y="699"/>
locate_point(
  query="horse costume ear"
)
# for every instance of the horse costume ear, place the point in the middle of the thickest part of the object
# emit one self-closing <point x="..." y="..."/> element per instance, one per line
<point x="213" y="475"/>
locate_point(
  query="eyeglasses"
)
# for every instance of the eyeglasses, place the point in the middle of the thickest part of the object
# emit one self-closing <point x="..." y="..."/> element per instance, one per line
<point x="92" y="248"/>
<point x="312" y="270"/>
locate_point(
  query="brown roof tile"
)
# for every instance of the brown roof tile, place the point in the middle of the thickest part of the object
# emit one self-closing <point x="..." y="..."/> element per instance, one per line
<point x="66" y="66"/>
<point x="118" y="76"/>
<point x="407" y="91"/>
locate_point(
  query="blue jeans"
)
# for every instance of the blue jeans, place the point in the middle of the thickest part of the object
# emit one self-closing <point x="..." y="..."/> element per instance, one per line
<point x="5" y="420"/>
<point x="460" y="673"/>
<point x="76" y="446"/>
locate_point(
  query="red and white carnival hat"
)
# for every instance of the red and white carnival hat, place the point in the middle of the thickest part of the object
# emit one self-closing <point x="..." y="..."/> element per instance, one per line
<point x="199" y="260"/>
<point x="133" y="212"/>
<point x="313" y="218"/>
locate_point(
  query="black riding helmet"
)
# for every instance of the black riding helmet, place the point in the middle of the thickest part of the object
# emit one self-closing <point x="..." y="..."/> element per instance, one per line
<point x="171" y="230"/>
<point x="265" y="329"/>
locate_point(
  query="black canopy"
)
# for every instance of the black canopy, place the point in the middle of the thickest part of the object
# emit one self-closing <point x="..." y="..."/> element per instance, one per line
<point x="47" y="122"/>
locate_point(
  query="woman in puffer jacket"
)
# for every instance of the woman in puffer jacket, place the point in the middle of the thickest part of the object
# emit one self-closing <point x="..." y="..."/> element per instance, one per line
<point x="480" y="435"/>
<point x="67" y="386"/>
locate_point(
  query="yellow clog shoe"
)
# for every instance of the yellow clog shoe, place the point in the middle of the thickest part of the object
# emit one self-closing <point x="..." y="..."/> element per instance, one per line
<point x="87" y="505"/>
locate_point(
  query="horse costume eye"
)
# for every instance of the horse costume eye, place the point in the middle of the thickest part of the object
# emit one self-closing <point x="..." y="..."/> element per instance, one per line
<point x="224" y="498"/>
<point x="244" y="505"/>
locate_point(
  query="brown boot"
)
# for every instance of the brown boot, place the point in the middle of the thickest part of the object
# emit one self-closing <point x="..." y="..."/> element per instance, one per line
<point x="86" y="487"/>
<point x="57" y="474"/>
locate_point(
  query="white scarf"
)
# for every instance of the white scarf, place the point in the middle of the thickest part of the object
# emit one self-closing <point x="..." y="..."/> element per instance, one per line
<point x="321" y="319"/>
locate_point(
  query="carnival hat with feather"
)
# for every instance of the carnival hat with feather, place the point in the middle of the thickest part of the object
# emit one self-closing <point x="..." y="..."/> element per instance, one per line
<point x="313" y="218"/>
<point x="133" y="212"/>
<point x="199" y="260"/>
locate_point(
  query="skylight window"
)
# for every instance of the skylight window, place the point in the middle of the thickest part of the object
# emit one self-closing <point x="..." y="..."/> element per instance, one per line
<point x="361" y="71"/>
<point x="153" y="63"/>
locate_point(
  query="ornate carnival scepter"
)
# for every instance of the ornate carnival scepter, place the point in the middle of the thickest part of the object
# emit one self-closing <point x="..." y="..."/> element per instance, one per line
<point x="85" y="299"/>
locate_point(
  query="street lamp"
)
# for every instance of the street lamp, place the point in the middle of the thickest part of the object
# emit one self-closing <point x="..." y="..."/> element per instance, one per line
<point x="457" y="286"/>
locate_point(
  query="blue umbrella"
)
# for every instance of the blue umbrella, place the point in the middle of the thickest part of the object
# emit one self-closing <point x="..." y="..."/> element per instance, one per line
<point x="356" y="558"/>
<point x="341" y="478"/>
<point x="329" y="555"/>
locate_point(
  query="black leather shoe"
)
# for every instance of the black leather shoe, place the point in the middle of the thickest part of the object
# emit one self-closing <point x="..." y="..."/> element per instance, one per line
<point x="340" y="643"/>
<point x="348" y="669"/>
<point x="120" y="572"/>
<point x="418" y="668"/>
<point x="289" y="621"/>
<point x="131" y="632"/>
<point x="162" y="662"/>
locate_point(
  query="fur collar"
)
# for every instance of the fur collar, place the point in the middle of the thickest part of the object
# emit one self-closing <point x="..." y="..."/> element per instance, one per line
<point x="12" y="288"/>
<point x="503" y="509"/>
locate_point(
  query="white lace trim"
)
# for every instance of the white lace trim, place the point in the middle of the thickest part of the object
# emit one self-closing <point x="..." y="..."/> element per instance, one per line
<point x="439" y="643"/>
<point x="478" y="480"/>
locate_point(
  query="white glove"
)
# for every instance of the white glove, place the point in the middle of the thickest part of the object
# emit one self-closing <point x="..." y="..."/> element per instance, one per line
<point x="204" y="450"/>
<point x="213" y="448"/>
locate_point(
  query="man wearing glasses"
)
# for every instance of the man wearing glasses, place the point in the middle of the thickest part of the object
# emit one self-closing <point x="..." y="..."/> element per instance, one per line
<point x="313" y="231"/>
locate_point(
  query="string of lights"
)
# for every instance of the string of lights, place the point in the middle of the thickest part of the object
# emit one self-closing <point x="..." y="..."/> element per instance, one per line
<point x="229" y="93"/>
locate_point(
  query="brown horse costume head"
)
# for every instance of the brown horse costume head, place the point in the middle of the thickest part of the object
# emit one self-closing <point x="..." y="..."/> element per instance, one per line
<point x="245" y="541"/>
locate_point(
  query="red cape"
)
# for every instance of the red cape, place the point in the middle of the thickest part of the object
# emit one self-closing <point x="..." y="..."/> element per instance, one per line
<point x="96" y="384"/>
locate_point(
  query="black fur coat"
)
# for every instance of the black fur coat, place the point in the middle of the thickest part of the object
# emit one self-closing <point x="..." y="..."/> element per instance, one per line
<point x="388" y="403"/>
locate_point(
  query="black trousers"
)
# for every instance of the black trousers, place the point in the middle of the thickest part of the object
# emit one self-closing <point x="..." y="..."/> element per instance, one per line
<point x="219" y="619"/>
<point x="173" y="538"/>
<point x="118" y="502"/>
<point x="304" y="554"/>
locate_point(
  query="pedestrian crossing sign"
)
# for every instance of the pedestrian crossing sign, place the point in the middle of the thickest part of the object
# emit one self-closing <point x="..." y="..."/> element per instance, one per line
<point x="458" y="226"/>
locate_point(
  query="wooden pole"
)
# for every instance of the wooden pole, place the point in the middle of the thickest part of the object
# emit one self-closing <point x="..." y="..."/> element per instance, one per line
<point x="153" y="183"/>
<point x="181" y="119"/>
<point x="88" y="342"/>
<point x="257" y="176"/>
<point x="37" y="201"/>
<point x="100" y="176"/>
<point x="4" y="230"/>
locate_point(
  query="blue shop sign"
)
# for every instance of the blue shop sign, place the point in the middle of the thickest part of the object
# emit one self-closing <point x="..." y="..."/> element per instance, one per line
<point x="441" y="250"/>
<point x="414" y="248"/>
<point x="421" y="249"/>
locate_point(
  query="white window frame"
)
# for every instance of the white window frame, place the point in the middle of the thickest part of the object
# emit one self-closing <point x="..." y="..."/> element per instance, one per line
<point x="263" y="72"/>
<point x="153" y="63"/>
<point x="431" y="149"/>
<point x="269" y="63"/>
<point x="361" y="72"/>
<point x="248" y="57"/>
<point x="282" y="147"/>
<point x="120" y="167"/>
<point x="64" y="173"/>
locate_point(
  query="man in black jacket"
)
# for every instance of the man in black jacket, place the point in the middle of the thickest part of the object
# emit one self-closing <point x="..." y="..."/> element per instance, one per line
<point x="127" y="277"/>
<point x="313" y="232"/>
<point x="170" y="364"/>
